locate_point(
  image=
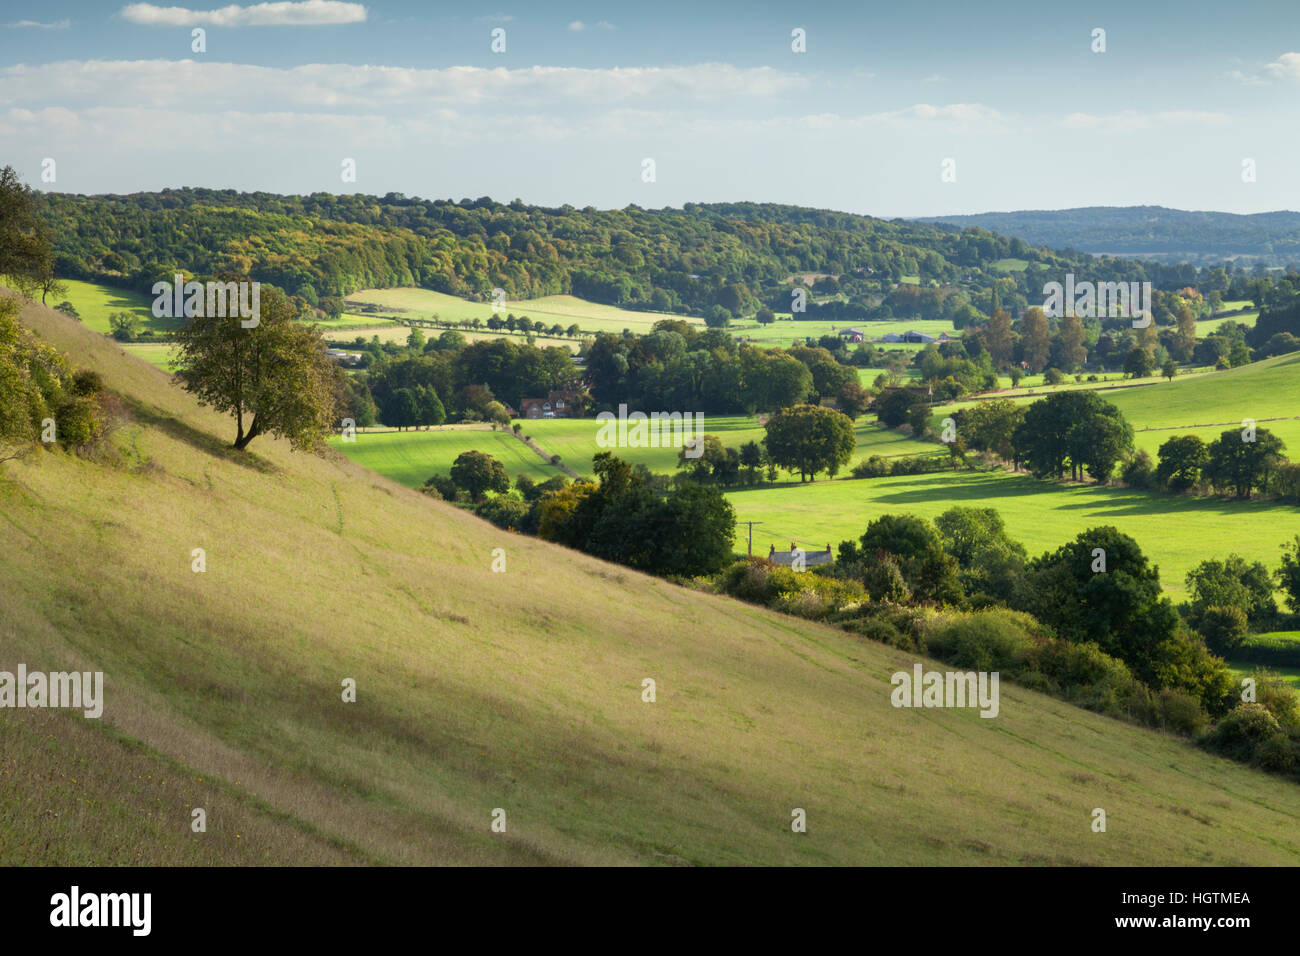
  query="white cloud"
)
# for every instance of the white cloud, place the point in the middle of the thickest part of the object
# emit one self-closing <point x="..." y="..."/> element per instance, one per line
<point x="935" y="78"/>
<point x="953" y="112"/>
<point x="1127" y="120"/>
<point x="577" y="26"/>
<point x="37" y="25"/>
<point x="1285" y="67"/>
<point x="495" y="18"/>
<point x="204" y="85"/>
<point x="279" y="14"/>
<point x="1249" y="79"/>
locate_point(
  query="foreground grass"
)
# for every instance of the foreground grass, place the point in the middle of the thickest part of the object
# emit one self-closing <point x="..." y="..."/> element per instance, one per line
<point x="519" y="690"/>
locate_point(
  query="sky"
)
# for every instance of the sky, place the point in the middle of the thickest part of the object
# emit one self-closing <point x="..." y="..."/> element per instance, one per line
<point x="890" y="109"/>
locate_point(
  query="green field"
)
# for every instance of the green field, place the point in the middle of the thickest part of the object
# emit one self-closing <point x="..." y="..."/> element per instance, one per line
<point x="784" y="331"/>
<point x="393" y="332"/>
<point x="1203" y="402"/>
<point x="1206" y="326"/>
<point x="1175" y="532"/>
<point x="95" y="303"/>
<point x="1290" y="674"/>
<point x="411" y="457"/>
<point x="479" y="690"/>
<point x="563" y="309"/>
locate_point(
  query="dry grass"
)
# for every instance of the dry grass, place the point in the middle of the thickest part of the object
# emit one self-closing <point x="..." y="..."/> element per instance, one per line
<point x="479" y="690"/>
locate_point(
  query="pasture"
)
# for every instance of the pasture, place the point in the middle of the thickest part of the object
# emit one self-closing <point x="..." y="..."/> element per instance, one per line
<point x="410" y="457"/>
<point x="564" y="310"/>
<point x="1175" y="532"/>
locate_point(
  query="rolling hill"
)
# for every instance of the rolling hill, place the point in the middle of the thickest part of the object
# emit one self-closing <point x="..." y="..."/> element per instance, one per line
<point x="1171" y="235"/>
<point x="478" y="690"/>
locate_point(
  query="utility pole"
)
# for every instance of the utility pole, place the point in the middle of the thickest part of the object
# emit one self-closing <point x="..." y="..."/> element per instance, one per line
<point x="751" y="536"/>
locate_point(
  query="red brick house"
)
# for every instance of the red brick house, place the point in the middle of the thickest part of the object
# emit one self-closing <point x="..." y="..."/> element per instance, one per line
<point x="559" y="403"/>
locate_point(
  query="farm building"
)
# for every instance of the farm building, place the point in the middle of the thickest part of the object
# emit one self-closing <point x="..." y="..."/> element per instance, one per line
<point x="852" y="335"/>
<point x="811" y="559"/>
<point x="561" y="403"/>
<point x="913" y="336"/>
<point x="344" y="358"/>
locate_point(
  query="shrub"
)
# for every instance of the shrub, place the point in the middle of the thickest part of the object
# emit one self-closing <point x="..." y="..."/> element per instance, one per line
<point x="504" y="511"/>
<point x="992" y="640"/>
<point x="527" y="487"/>
<point x="444" y="486"/>
<point x="802" y="593"/>
<point x="1240" y="734"/>
<point x="918" y="465"/>
<point x="1053" y="376"/>
<point x="750" y="580"/>
<point x="901" y="627"/>
<point x="884" y="580"/>
<point x="1088" y="677"/>
<point x="1224" y="628"/>
<point x="1181" y="712"/>
<point x="78" y="422"/>
<point x="876" y="629"/>
<point x="873" y="467"/>
<point x="1280" y="754"/>
<point x="1275" y="695"/>
<point x="1138" y="471"/>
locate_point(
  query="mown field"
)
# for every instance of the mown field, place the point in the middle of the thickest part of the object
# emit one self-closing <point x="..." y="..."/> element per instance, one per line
<point x="479" y="690"/>
<point x="393" y="332"/>
<point x="564" y="309"/>
<point x="785" y="331"/>
<point x="411" y="457"/>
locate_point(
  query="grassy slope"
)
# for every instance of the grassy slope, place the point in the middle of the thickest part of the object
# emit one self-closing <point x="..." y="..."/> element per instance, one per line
<point x="518" y="690"/>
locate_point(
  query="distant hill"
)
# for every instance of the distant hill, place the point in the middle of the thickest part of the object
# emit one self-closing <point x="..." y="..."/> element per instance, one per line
<point x="1168" y="235"/>
<point x="735" y="256"/>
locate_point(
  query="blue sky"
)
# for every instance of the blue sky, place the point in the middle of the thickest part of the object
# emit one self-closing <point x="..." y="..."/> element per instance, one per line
<point x="1011" y="93"/>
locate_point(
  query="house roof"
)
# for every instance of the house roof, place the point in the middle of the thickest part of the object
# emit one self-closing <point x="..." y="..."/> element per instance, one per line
<point x="811" y="559"/>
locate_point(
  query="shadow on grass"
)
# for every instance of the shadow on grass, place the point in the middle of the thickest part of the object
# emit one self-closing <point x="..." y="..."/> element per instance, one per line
<point x="199" y="439"/>
<point x="1099" y="499"/>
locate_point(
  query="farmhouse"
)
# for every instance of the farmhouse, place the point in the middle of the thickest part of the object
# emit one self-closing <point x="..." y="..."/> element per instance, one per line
<point x="913" y="336"/>
<point x="344" y="358"/>
<point x="559" y="403"/>
<point x="811" y="559"/>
